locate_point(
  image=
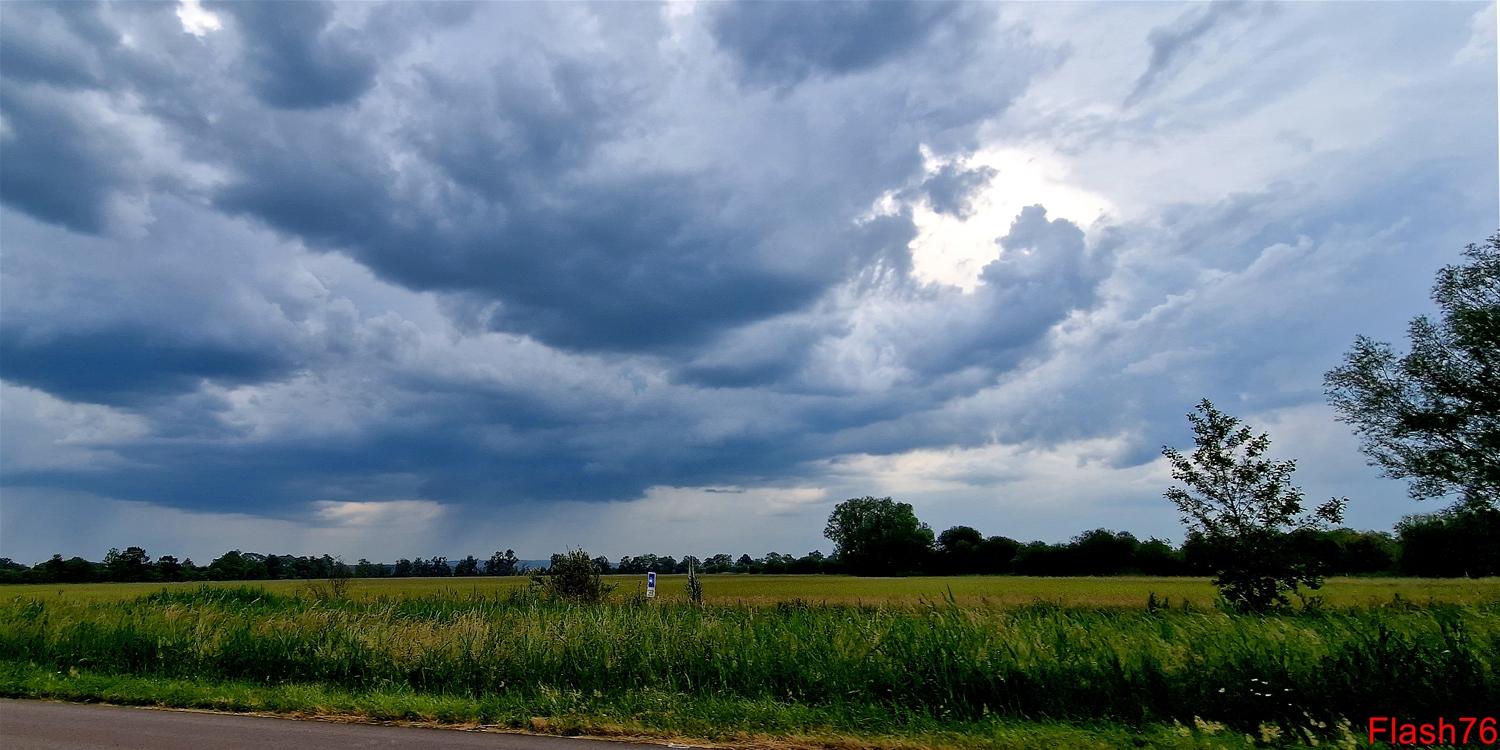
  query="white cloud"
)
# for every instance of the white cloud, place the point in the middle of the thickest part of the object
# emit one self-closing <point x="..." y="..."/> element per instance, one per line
<point x="46" y="433"/>
<point x="954" y="249"/>
<point x="195" y="19"/>
<point x="366" y="513"/>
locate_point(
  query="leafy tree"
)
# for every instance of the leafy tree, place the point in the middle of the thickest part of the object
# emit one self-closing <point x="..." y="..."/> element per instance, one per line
<point x="72" y="570"/>
<point x="720" y="563"/>
<point x="776" y="562"/>
<point x="502" y="564"/>
<point x="811" y="562"/>
<point x="1433" y="416"/>
<point x="1245" y="505"/>
<point x="601" y="563"/>
<point x="744" y="565"/>
<point x="1102" y="552"/>
<point x="959" y="550"/>
<point x="1455" y="542"/>
<point x="438" y="566"/>
<point x="404" y="569"/>
<point x="131" y="565"/>
<point x="878" y="536"/>
<point x="469" y="566"/>
<point x="998" y="554"/>
<point x="168" y="568"/>
<point x="235" y="565"/>
<point x="1157" y="557"/>
<point x="572" y="576"/>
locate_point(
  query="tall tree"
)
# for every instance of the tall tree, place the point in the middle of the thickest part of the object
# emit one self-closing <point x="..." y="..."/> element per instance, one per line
<point x="469" y="566"/>
<point x="1245" y="507"/>
<point x="879" y="536"/>
<point x="504" y="564"/>
<point x="131" y="565"/>
<point x="1432" y="416"/>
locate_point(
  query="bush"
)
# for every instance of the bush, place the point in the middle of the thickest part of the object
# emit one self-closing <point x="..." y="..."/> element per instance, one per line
<point x="573" y="576"/>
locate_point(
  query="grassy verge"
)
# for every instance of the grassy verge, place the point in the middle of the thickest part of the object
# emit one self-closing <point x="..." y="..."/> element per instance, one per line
<point x="649" y="715"/>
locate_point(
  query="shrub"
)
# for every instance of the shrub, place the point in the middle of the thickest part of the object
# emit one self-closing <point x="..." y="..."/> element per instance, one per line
<point x="573" y="576"/>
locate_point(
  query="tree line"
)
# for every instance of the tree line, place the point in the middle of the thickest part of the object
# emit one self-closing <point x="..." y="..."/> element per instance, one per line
<point x="1444" y="544"/>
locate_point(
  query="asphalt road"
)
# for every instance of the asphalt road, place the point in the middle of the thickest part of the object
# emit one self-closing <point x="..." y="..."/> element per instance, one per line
<point x="40" y="725"/>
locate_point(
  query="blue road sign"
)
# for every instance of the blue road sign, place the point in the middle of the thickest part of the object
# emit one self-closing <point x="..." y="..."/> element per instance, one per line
<point x="651" y="585"/>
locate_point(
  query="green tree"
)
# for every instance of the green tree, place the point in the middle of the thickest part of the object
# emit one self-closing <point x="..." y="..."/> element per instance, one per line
<point x="572" y="576"/>
<point x="958" y="550"/>
<point x="169" y="568"/>
<point x="1245" y="507"/>
<point x="131" y="565"/>
<point x="469" y="566"/>
<point x="504" y="564"/>
<point x="1432" y="417"/>
<point x="879" y="536"/>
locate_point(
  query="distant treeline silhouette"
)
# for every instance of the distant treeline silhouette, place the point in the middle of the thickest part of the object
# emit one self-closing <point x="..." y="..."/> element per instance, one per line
<point x="1445" y="544"/>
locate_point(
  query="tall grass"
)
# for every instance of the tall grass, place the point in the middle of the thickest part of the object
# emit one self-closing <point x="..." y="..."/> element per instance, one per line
<point x="1301" y="672"/>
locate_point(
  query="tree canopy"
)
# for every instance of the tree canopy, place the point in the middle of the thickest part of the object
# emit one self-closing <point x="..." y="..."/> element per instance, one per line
<point x="878" y="536"/>
<point x="1432" y="416"/>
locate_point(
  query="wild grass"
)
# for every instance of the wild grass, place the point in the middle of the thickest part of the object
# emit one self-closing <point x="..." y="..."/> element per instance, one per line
<point x="970" y="591"/>
<point x="1308" y="672"/>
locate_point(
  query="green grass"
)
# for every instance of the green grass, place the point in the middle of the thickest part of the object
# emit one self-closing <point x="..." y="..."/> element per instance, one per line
<point x="799" y="669"/>
<point x="972" y="591"/>
<point x="644" y="714"/>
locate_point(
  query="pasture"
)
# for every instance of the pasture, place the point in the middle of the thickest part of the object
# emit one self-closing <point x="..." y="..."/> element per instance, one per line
<point x="968" y="591"/>
<point x="785" y="661"/>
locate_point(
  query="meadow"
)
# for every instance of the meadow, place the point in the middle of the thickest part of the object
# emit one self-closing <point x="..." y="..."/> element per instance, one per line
<point x="790" y="661"/>
<point x="970" y="591"/>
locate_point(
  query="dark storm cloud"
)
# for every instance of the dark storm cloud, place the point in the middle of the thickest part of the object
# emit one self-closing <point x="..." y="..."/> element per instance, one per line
<point x="952" y="188"/>
<point x="52" y="43"/>
<point x="506" y="196"/>
<point x="296" y="57"/>
<point x="568" y="252"/>
<point x="121" y="366"/>
<point x="58" y="164"/>
<point x="784" y="43"/>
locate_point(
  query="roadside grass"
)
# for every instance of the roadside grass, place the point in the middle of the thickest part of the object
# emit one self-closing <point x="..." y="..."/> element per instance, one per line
<point x="649" y="715"/>
<point x="969" y="591"/>
<point x="790" y="669"/>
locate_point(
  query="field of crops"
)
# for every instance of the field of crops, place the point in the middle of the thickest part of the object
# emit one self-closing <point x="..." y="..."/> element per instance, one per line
<point x="970" y="591"/>
<point x="909" y="662"/>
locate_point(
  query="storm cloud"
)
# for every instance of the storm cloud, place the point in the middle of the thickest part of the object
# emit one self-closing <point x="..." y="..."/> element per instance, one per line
<point x="745" y="257"/>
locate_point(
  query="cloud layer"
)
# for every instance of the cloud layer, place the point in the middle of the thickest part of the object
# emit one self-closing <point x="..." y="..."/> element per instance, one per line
<point x="347" y="263"/>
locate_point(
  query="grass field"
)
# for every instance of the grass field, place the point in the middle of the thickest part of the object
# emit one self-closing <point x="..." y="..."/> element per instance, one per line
<point x="1125" y="591"/>
<point x="787" y="661"/>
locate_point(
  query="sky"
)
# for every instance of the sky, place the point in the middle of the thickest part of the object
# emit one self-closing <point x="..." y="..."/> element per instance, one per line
<point x="403" y="280"/>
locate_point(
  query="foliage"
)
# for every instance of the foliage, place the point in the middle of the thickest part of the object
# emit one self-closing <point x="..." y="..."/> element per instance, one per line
<point x="1432" y="416"/>
<point x="469" y="566"/>
<point x="1245" y="507"/>
<point x="878" y="536"/>
<point x="502" y="564"/>
<point x="1457" y="542"/>
<point x="573" y="576"/>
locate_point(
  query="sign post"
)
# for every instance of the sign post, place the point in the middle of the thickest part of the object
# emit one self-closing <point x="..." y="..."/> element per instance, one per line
<point x="651" y="585"/>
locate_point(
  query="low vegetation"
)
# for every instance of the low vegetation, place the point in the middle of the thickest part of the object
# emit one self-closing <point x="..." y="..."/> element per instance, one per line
<point x="1297" y="674"/>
